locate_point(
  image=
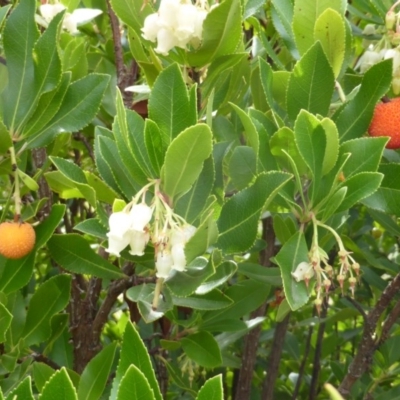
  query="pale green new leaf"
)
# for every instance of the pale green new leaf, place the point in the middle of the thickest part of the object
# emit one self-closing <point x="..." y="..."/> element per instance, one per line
<point x="330" y="30"/>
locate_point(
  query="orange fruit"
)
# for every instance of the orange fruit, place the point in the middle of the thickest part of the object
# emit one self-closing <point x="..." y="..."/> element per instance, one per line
<point x="386" y="122"/>
<point x="17" y="239"/>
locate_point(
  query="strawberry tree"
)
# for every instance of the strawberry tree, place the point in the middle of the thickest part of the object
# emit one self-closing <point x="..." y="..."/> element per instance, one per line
<point x="213" y="189"/>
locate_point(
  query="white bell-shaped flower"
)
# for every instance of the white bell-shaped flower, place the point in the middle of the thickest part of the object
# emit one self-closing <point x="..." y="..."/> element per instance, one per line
<point x="138" y="242"/>
<point x="49" y="11"/>
<point x="140" y="215"/>
<point x="151" y="27"/>
<point x="303" y="271"/>
<point x="120" y="223"/>
<point x="182" y="234"/>
<point x="178" y="257"/>
<point x="116" y="244"/>
<point x="186" y="22"/>
<point x="163" y="264"/>
<point x="165" y="41"/>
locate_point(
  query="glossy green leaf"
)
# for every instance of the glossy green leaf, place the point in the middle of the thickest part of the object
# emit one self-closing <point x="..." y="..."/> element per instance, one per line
<point x="292" y="253"/>
<point x="384" y="199"/>
<point x="80" y="104"/>
<point x="169" y="105"/>
<point x="247" y="295"/>
<point x="202" y="348"/>
<point x="134" y="385"/>
<point x="23" y="391"/>
<point x="5" y="322"/>
<point x="111" y="168"/>
<point x="223" y="273"/>
<point x="306" y="14"/>
<point x="95" y="375"/>
<point x="154" y="144"/>
<point x="332" y="145"/>
<point x="5" y="138"/>
<point x="330" y="30"/>
<point x="132" y="12"/>
<point x="309" y="75"/>
<point x="354" y="118"/>
<point x="74" y="254"/>
<point x="240" y="214"/>
<point x="54" y="293"/>
<point x="359" y="187"/>
<point x="365" y="155"/>
<point x="242" y="166"/>
<point x="284" y="227"/>
<point x="3" y="13"/>
<point x="41" y="374"/>
<point x="191" y="205"/>
<point x="76" y="175"/>
<point x="134" y="352"/>
<point x="59" y="387"/>
<point x="212" y="389"/>
<point x="19" y="36"/>
<point x="184" y="159"/>
<point x="49" y="104"/>
<point x="92" y="226"/>
<point x="334" y="202"/>
<point x="185" y="283"/>
<point x="268" y="275"/>
<point x="222" y="31"/>
<point x="17" y="273"/>
<point x="213" y="300"/>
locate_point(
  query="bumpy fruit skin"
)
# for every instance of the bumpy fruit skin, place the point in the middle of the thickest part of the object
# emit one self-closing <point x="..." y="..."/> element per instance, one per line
<point x="386" y="122"/>
<point x="17" y="239"/>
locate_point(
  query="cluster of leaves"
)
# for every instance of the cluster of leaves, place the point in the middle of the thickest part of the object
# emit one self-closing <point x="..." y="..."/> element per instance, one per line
<point x="252" y="142"/>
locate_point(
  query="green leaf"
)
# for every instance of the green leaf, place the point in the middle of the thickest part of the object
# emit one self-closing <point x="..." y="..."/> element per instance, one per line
<point x="3" y="13"/>
<point x="242" y="166"/>
<point x="191" y="205"/>
<point x="75" y="175"/>
<point x="270" y="276"/>
<point x="134" y="385"/>
<point x="5" y="138"/>
<point x="134" y="352"/>
<point x="74" y="254"/>
<point x="305" y="16"/>
<point x="365" y="155"/>
<point x="247" y="295"/>
<point x="59" y="387"/>
<point x="185" y="283"/>
<point x="222" y="32"/>
<point x="359" y="187"/>
<point x="354" y="118"/>
<point x="184" y="159"/>
<point x="292" y="253"/>
<point x="54" y="293"/>
<point x="49" y="104"/>
<point x="311" y="84"/>
<point x="240" y="214"/>
<point x="92" y="226"/>
<point x="213" y="300"/>
<point x="223" y="272"/>
<point x="202" y="348"/>
<point x="41" y="374"/>
<point x="17" y="273"/>
<point x="154" y="145"/>
<point x="330" y="30"/>
<point x="111" y="168"/>
<point x="103" y="192"/>
<point x="5" y="322"/>
<point x="80" y="104"/>
<point x="19" y="36"/>
<point x="334" y="202"/>
<point x="386" y="221"/>
<point x="384" y="199"/>
<point x="47" y="64"/>
<point x="132" y="12"/>
<point x="23" y="391"/>
<point x="169" y="105"/>
<point x="284" y="227"/>
<point x="212" y="389"/>
<point x="332" y="145"/>
<point x="95" y="375"/>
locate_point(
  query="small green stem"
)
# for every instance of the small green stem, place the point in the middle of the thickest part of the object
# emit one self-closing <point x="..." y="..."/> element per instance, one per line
<point x="157" y="292"/>
<point x="17" y="194"/>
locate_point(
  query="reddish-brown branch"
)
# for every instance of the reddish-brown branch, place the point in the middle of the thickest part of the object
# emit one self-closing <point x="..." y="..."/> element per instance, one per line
<point x="368" y="344"/>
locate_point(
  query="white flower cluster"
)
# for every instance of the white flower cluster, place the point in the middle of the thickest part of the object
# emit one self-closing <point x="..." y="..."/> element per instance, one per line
<point x="169" y="232"/>
<point x="375" y="53"/>
<point x="71" y="21"/>
<point x="177" y="23"/>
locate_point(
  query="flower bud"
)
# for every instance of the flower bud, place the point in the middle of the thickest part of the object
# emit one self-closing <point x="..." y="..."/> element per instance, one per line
<point x="163" y="264"/>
